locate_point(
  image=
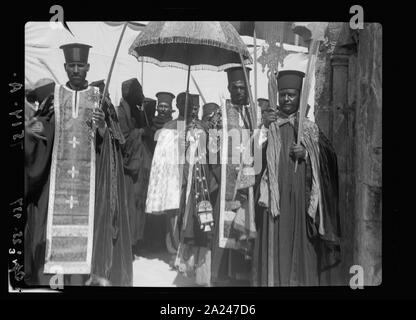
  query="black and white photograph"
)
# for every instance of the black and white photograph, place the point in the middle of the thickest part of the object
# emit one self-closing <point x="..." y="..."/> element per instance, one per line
<point x="198" y="154"/>
<point x="202" y="153"/>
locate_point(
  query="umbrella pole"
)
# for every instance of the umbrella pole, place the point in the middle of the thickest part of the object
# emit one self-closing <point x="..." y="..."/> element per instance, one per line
<point x="199" y="90"/>
<point x="185" y="217"/>
<point x="181" y="171"/>
<point x="187" y="93"/>
<point x="175" y="223"/>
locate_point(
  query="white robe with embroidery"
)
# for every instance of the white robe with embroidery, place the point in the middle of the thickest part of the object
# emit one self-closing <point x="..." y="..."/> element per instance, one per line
<point x="164" y="190"/>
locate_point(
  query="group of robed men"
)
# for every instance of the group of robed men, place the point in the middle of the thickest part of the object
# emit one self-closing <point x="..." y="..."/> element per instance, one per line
<point x="227" y="223"/>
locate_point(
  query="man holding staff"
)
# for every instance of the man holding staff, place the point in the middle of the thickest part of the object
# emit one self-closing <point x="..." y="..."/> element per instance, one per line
<point x="77" y="221"/>
<point x="300" y="207"/>
<point x="234" y="209"/>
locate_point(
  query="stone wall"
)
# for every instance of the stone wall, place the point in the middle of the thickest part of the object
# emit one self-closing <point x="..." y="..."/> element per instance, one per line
<point x="348" y="110"/>
<point x="368" y="155"/>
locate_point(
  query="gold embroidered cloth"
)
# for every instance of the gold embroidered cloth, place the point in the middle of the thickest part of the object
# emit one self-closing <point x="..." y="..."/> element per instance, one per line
<point x="72" y="183"/>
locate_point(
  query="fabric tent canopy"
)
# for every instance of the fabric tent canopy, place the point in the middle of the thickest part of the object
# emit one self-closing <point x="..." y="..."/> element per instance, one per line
<point x="44" y="59"/>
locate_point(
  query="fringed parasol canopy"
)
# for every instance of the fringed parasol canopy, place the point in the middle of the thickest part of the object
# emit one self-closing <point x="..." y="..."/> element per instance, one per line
<point x="203" y="45"/>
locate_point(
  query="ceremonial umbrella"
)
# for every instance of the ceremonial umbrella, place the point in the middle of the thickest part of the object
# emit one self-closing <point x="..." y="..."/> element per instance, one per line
<point x="191" y="45"/>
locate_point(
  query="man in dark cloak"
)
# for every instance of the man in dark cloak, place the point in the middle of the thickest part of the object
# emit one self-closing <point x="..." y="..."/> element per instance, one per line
<point x="154" y="233"/>
<point x="137" y="156"/>
<point x="297" y="220"/>
<point x="37" y="94"/>
<point x="111" y="258"/>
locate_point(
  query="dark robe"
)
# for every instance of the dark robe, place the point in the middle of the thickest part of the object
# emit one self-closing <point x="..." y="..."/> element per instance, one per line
<point x="301" y="255"/>
<point x="195" y="243"/>
<point x="111" y="254"/>
<point x="192" y="232"/>
<point x="137" y="160"/>
<point x="37" y="168"/>
<point x="154" y="229"/>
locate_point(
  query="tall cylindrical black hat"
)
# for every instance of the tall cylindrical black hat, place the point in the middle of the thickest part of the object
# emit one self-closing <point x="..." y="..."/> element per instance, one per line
<point x="237" y="74"/>
<point x="76" y="52"/>
<point x="165" y="97"/>
<point x="290" y="79"/>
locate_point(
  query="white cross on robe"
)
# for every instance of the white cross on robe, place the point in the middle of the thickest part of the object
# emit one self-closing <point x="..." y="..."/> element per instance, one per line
<point x="74" y="142"/>
<point x="71" y="202"/>
<point x="73" y="172"/>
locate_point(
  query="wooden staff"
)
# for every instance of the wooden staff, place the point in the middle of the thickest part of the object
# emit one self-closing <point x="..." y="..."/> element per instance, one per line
<point x="107" y="82"/>
<point x="258" y="113"/>
<point x="305" y="91"/>
<point x="252" y="103"/>
<point x="187" y="97"/>
<point x="269" y="216"/>
<point x="270" y="248"/>
<point x="317" y="30"/>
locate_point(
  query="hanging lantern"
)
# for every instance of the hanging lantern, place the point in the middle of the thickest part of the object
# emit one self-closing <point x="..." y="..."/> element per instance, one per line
<point x="205" y="217"/>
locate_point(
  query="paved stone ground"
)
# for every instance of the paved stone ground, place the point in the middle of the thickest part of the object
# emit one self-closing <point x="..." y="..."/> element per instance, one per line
<point x="153" y="270"/>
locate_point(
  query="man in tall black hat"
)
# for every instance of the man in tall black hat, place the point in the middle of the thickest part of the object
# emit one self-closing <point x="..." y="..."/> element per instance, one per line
<point x="154" y="233"/>
<point x="193" y="106"/>
<point x="163" y="108"/>
<point x="76" y="64"/>
<point x="162" y="194"/>
<point x="169" y="142"/>
<point x="198" y="187"/>
<point x="300" y="208"/>
<point x="69" y="174"/>
<point x="195" y="233"/>
<point x="164" y="102"/>
<point x="237" y="86"/>
<point x="235" y="210"/>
